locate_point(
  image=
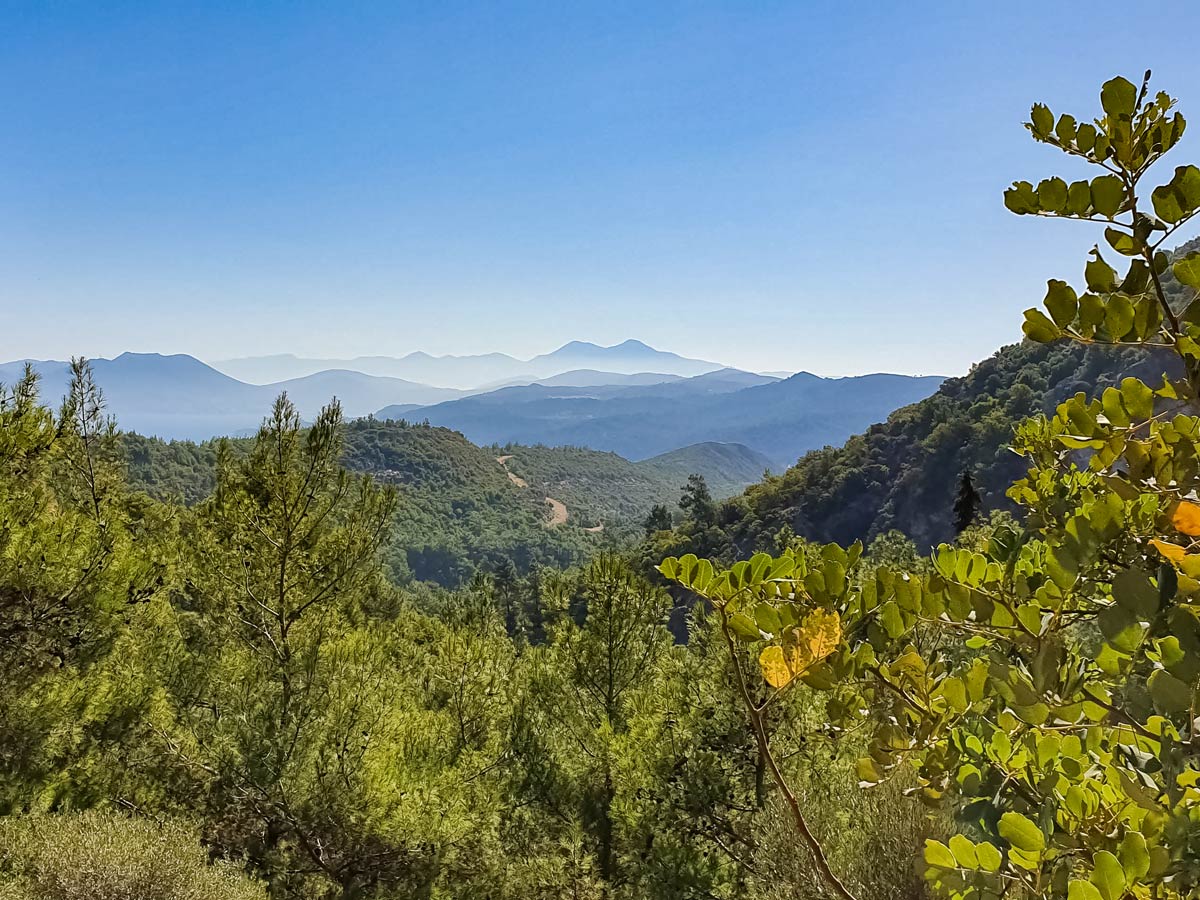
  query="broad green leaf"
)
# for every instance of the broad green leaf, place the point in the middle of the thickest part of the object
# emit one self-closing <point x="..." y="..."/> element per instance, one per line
<point x="1187" y="270"/>
<point x="1118" y="316"/>
<point x="1121" y="628"/>
<point x="1062" y="565"/>
<point x="1085" y="137"/>
<point x="1065" y="129"/>
<point x="1168" y="204"/>
<point x="1091" y="312"/>
<point x="1114" y="408"/>
<point x="1170" y="695"/>
<point x="1041" y="120"/>
<point x="868" y="772"/>
<point x="1021" y="199"/>
<point x="1118" y="97"/>
<point x="1108" y="194"/>
<point x="955" y="693"/>
<point x="1178" y="198"/>
<point x="938" y="854"/>
<point x="964" y="852"/>
<point x="891" y="620"/>
<point x="1100" y="276"/>
<point x="1021" y="832"/>
<point x="1147" y="316"/>
<point x="1083" y="890"/>
<point x="1062" y="302"/>
<point x="1137" y="279"/>
<point x="687" y="569"/>
<point x="1039" y="328"/>
<point x="1121" y="242"/>
<point x="1079" y="198"/>
<point x="767" y="619"/>
<point x="1034" y="713"/>
<point x="989" y="857"/>
<point x="743" y="626"/>
<point x="1135" y="858"/>
<point x="1133" y="591"/>
<point x="1108" y="876"/>
<point x="1052" y="195"/>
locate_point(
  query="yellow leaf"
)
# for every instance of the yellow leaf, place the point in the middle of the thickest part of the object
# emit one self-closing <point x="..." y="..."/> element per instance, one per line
<point x="1172" y="552"/>
<point x="816" y="638"/>
<point x="1186" y="517"/>
<point x="774" y="669"/>
<point x="803" y="647"/>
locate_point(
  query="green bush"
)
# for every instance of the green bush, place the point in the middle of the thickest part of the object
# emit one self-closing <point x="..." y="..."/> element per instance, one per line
<point x="93" y="856"/>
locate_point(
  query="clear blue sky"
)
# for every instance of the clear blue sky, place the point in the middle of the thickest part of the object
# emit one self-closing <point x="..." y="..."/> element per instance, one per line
<point x="772" y="185"/>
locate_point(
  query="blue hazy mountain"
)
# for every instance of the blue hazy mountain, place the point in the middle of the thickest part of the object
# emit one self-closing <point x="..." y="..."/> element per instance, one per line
<point x="637" y="415"/>
<point x="586" y="378"/>
<point x="779" y="418"/>
<point x="180" y="397"/>
<point x="466" y="372"/>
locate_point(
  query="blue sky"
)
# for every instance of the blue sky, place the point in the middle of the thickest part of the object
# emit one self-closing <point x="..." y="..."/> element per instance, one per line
<point x="772" y="185"/>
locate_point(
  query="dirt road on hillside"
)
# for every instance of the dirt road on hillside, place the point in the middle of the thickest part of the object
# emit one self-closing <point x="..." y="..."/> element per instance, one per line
<point x="558" y="509"/>
<point x="515" y="479"/>
<point x="558" y="513"/>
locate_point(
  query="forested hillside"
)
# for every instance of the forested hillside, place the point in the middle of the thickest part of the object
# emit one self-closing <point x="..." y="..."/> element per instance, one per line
<point x="465" y="509"/>
<point x="458" y="511"/>
<point x="601" y="488"/>
<point x="727" y="467"/>
<point x="902" y="474"/>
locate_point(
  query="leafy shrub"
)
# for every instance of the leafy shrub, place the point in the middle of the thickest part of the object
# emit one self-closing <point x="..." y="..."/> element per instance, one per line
<point x="95" y="856"/>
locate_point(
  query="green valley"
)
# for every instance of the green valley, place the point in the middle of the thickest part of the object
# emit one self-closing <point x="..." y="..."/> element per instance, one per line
<point x="465" y="509"/>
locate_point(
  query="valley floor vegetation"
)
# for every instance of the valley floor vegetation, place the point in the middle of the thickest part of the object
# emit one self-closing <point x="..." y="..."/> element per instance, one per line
<point x="231" y="689"/>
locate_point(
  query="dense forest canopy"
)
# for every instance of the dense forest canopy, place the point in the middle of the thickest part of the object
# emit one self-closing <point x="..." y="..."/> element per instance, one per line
<point x="465" y="509"/>
<point x="244" y="669"/>
<point x="902" y="474"/>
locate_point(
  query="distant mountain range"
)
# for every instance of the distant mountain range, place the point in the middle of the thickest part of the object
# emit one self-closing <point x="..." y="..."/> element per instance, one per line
<point x="587" y="378"/>
<point x="583" y="395"/>
<point x="469" y="372"/>
<point x="181" y="397"/>
<point x="780" y="418"/>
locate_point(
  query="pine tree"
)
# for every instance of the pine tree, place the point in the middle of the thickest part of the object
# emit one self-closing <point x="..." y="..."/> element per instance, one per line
<point x="70" y="571"/>
<point x="697" y="501"/>
<point x="280" y="700"/>
<point x="658" y="520"/>
<point x="966" y="503"/>
<point x="587" y="698"/>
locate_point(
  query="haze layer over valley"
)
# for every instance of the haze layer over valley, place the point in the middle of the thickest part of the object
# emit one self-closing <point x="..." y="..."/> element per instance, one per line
<point x="628" y="398"/>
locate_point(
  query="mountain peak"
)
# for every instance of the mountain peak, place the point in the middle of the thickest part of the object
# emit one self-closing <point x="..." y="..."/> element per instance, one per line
<point x="131" y="358"/>
<point x="575" y="346"/>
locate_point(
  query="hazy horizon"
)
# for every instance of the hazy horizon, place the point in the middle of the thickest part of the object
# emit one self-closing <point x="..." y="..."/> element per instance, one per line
<point x="219" y="363"/>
